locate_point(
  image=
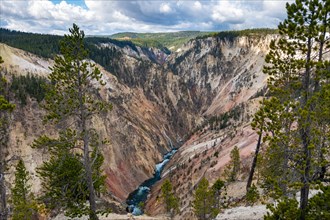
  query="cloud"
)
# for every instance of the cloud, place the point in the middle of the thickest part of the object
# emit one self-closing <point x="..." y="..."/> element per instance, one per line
<point x="106" y="17"/>
<point x="165" y="8"/>
<point x="228" y="12"/>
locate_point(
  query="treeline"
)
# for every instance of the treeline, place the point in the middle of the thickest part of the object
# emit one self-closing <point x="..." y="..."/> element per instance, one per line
<point x="44" y="45"/>
<point x="230" y="35"/>
<point x="29" y="85"/>
<point x="47" y="46"/>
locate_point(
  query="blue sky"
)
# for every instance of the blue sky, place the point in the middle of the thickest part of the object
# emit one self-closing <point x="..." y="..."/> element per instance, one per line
<point x="74" y="2"/>
<point x="113" y="16"/>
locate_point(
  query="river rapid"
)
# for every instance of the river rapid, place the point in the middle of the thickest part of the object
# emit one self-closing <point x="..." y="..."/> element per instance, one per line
<point x="140" y="195"/>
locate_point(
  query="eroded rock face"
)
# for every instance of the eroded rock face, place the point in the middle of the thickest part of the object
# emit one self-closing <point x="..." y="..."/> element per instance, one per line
<point x="223" y="77"/>
<point x="155" y="97"/>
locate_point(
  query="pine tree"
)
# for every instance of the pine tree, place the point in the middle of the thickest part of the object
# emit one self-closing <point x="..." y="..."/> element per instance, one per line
<point x="24" y="205"/>
<point x="217" y="189"/>
<point x="233" y="168"/>
<point x="319" y="205"/>
<point x="63" y="178"/>
<point x="203" y="203"/>
<point x="170" y="200"/>
<point x="297" y="114"/>
<point x="72" y="99"/>
<point x="286" y="208"/>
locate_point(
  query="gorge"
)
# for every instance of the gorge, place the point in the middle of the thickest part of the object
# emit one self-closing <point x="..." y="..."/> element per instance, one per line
<point x="156" y="97"/>
<point x="140" y="195"/>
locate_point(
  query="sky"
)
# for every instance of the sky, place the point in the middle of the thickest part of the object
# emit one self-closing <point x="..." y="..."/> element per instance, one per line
<point x="105" y="17"/>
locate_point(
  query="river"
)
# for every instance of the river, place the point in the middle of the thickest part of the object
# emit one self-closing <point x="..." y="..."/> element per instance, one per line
<point x="140" y="195"/>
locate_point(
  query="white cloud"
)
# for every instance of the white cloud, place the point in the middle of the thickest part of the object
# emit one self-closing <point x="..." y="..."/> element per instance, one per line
<point x="105" y="17"/>
<point x="40" y="10"/>
<point x="165" y="8"/>
<point x="274" y="8"/>
<point x="230" y="12"/>
<point x="197" y="6"/>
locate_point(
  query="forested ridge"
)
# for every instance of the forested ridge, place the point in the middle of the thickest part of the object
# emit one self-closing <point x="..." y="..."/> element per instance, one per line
<point x="47" y="45"/>
<point x="44" y="45"/>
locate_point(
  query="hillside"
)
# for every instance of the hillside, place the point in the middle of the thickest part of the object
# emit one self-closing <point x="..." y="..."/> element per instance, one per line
<point x="170" y="40"/>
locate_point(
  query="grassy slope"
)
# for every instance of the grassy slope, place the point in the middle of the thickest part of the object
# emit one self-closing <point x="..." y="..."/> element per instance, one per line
<point x="171" y="40"/>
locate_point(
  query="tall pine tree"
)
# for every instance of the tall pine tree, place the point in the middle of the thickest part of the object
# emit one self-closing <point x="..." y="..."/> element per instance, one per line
<point x="296" y="117"/>
<point x="72" y="100"/>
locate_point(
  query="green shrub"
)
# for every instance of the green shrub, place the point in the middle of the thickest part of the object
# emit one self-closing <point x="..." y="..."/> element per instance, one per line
<point x="285" y="209"/>
<point x="319" y="205"/>
<point x="252" y="195"/>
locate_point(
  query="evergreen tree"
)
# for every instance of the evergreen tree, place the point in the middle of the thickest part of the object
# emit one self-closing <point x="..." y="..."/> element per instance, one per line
<point x="24" y="205"/>
<point x="29" y="85"/>
<point x="252" y="195"/>
<point x="72" y="99"/>
<point x="285" y="209"/>
<point x="217" y="189"/>
<point x="319" y="205"/>
<point x="64" y="184"/>
<point x="233" y="168"/>
<point x="296" y="117"/>
<point x="203" y="203"/>
<point x="170" y="200"/>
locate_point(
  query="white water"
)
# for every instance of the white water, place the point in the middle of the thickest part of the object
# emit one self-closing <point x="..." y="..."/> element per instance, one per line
<point x="170" y="154"/>
<point x="137" y="211"/>
<point x="160" y="166"/>
<point x="140" y="195"/>
<point x="143" y="189"/>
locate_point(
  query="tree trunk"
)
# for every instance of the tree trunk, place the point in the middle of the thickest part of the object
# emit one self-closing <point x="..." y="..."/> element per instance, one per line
<point x="304" y="200"/>
<point x="305" y="134"/>
<point x="89" y="173"/>
<point x="204" y="209"/>
<point x="323" y="169"/>
<point x="305" y="179"/>
<point x="254" y="162"/>
<point x="87" y="163"/>
<point x="89" y="177"/>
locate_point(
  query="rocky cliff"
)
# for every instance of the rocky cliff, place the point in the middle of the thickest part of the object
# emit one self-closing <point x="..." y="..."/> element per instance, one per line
<point x="158" y="100"/>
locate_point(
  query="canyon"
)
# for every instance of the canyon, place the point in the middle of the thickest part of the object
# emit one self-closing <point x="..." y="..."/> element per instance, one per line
<point x="160" y="101"/>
